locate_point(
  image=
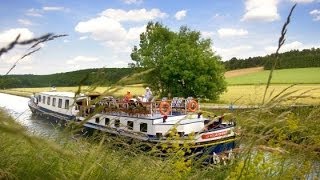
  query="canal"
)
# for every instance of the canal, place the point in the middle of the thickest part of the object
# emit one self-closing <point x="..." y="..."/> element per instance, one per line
<point x="18" y="108"/>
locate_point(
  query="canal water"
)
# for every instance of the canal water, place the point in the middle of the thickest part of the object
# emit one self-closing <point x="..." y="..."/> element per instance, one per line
<point x="18" y="108"/>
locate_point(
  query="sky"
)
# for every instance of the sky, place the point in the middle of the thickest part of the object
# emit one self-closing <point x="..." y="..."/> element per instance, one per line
<point x="102" y="33"/>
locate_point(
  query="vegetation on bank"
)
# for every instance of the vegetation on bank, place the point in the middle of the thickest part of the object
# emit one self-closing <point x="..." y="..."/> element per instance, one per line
<point x="282" y="144"/>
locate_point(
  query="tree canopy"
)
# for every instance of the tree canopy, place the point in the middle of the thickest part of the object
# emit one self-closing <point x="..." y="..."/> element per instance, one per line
<point x="179" y="63"/>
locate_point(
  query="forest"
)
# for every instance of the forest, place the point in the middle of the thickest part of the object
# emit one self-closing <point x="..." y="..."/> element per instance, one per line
<point x="103" y="76"/>
<point x="287" y="60"/>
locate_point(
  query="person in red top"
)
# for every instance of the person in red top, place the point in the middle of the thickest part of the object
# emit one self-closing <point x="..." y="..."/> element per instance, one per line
<point x="127" y="97"/>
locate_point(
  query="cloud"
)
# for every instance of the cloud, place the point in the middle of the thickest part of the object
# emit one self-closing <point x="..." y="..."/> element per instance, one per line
<point x="229" y="32"/>
<point x="180" y="15"/>
<point x="83" y="37"/>
<point x="102" y="28"/>
<point x="295" y="45"/>
<point x="302" y="1"/>
<point x="11" y="34"/>
<point x="261" y="10"/>
<point x="25" y="22"/>
<point x="107" y="26"/>
<point x="315" y="14"/>
<point x="134" y="32"/>
<point x="53" y="8"/>
<point x="34" y="12"/>
<point x="132" y="1"/>
<point x="207" y="34"/>
<point x="135" y="15"/>
<point x="14" y="56"/>
<point x="236" y="51"/>
<point x="82" y="59"/>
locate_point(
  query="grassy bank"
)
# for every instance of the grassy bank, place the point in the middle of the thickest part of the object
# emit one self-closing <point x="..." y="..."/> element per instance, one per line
<point x="24" y="156"/>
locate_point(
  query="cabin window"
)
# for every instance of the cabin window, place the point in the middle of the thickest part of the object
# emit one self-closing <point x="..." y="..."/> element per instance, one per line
<point x="60" y="103"/>
<point x="130" y="125"/>
<point x="181" y="134"/>
<point x="48" y="101"/>
<point x="106" y="121"/>
<point x="143" y="127"/>
<point x="117" y="123"/>
<point x="53" y="101"/>
<point x="44" y="100"/>
<point x="66" y="105"/>
<point x="97" y="120"/>
<point x="159" y="135"/>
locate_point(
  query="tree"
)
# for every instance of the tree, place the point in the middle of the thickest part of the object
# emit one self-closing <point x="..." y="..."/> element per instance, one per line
<point x="179" y="63"/>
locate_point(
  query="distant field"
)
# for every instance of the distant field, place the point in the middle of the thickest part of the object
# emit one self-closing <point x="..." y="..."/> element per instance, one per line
<point x="240" y="72"/>
<point x="283" y="76"/>
<point x="239" y="94"/>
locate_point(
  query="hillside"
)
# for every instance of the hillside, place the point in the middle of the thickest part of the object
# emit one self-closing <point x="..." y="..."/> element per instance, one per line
<point x="103" y="76"/>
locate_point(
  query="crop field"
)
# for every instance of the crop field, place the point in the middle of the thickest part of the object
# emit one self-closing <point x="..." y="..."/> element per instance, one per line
<point x="283" y="76"/>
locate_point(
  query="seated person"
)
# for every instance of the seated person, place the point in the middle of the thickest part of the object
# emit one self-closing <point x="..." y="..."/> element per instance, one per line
<point x="127" y="97"/>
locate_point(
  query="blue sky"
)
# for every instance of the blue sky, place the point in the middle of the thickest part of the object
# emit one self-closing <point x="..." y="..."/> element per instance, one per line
<point x="102" y="33"/>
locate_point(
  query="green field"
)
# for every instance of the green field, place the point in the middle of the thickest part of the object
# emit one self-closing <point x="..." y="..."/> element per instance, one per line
<point x="283" y="76"/>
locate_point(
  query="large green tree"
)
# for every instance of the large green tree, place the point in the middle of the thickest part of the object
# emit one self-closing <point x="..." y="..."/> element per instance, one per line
<point x="179" y="63"/>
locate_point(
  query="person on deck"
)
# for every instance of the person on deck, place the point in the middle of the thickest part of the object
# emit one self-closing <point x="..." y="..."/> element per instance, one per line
<point x="148" y="95"/>
<point x="127" y="97"/>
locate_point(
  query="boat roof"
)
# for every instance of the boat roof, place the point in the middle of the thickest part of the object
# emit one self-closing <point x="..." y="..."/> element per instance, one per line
<point x="61" y="94"/>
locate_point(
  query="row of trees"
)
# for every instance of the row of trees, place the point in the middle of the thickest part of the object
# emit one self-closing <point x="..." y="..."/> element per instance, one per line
<point x="105" y="76"/>
<point x="287" y="60"/>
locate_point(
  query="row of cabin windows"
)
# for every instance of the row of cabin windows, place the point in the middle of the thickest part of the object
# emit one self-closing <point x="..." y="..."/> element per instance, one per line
<point x="143" y="126"/>
<point x="44" y="98"/>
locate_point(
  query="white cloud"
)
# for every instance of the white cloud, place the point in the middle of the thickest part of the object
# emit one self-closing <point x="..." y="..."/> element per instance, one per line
<point x="180" y="15"/>
<point x="315" y="14"/>
<point x="134" y="32"/>
<point x="11" y="34"/>
<point x="135" y="15"/>
<point x="53" y="8"/>
<point x="237" y="51"/>
<point x="229" y="32"/>
<point x="25" y="22"/>
<point x="295" y="45"/>
<point x="207" y="34"/>
<point x="83" y="37"/>
<point x="66" y="41"/>
<point x="34" y="12"/>
<point x="14" y="56"/>
<point x="302" y="1"/>
<point x="82" y="59"/>
<point x="102" y="28"/>
<point x="261" y="10"/>
<point x="132" y="1"/>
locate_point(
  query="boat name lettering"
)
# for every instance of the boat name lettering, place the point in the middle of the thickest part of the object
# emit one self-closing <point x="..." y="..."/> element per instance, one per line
<point x="215" y="134"/>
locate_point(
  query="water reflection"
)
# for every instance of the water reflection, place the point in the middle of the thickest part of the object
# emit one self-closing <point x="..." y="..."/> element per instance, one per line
<point x="18" y="108"/>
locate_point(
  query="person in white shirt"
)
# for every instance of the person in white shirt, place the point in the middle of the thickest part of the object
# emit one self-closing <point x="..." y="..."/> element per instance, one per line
<point x="148" y="95"/>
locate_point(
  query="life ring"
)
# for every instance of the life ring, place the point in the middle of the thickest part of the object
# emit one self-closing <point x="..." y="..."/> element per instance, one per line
<point x="164" y="108"/>
<point x="192" y="106"/>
